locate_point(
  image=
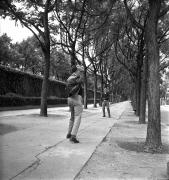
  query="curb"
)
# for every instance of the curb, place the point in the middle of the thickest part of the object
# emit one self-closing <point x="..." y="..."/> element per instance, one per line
<point x="103" y="140"/>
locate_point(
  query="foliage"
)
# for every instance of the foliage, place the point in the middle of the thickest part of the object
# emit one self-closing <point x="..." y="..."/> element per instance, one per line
<point x="98" y="32"/>
<point x="31" y="57"/>
<point x="27" y="56"/>
<point x="6" y="54"/>
<point x="60" y="65"/>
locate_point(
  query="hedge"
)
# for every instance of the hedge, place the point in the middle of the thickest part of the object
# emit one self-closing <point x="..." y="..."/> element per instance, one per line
<point x="9" y="101"/>
<point x="19" y="89"/>
<point x="28" y="85"/>
<point x="167" y="102"/>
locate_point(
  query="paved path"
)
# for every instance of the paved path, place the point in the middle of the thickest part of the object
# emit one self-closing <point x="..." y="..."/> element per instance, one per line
<point x="34" y="147"/>
<point x="165" y="114"/>
<point x="121" y="155"/>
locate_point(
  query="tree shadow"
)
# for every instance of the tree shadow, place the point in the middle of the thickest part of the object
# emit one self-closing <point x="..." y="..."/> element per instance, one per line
<point x="5" y="128"/>
<point x="139" y="147"/>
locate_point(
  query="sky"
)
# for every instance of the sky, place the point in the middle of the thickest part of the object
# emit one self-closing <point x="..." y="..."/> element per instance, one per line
<point x="16" y="32"/>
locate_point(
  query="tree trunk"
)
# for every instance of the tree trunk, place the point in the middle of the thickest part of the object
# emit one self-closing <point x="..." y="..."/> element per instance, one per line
<point x="44" y="92"/>
<point x="139" y="68"/>
<point x="84" y="75"/>
<point x="153" y="139"/>
<point x="95" y="89"/>
<point x="133" y="97"/>
<point x="142" y="79"/>
<point x="101" y="94"/>
<point x="102" y="84"/>
<point x="46" y="52"/>
<point x="138" y="92"/>
<point x="142" y="117"/>
<point x="73" y="55"/>
<point x="85" y="89"/>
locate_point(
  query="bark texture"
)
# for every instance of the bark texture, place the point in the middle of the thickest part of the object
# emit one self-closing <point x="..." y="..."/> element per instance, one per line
<point x="95" y="89"/>
<point x="153" y="139"/>
<point x="46" y="52"/>
<point x="142" y="117"/>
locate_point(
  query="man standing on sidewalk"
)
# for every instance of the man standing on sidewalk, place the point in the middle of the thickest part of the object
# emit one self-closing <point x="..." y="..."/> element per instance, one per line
<point x="105" y="103"/>
<point x="74" y="85"/>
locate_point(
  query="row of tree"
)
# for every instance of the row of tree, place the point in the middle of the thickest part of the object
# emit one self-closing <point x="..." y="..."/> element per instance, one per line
<point x="28" y="57"/>
<point x="124" y="42"/>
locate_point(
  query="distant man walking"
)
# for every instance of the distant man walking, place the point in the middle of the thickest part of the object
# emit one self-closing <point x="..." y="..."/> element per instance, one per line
<point x="74" y="85"/>
<point x="106" y="103"/>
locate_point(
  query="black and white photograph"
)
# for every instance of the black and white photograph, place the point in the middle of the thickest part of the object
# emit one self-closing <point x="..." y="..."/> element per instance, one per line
<point x="84" y="90"/>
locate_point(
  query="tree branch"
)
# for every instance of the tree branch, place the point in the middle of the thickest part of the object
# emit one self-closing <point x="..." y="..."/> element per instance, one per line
<point x="128" y="69"/>
<point x="25" y="22"/>
<point x="80" y="21"/>
<point x="163" y="12"/>
<point x="133" y="21"/>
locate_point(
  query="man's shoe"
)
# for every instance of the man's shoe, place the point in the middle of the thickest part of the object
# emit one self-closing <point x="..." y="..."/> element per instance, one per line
<point x="73" y="139"/>
<point x="104" y="116"/>
<point x="68" y="136"/>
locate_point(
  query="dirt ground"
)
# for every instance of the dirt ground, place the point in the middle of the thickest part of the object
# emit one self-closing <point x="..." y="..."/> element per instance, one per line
<point x="121" y="154"/>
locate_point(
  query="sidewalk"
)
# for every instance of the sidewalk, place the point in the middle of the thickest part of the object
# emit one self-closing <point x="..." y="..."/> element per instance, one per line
<point x="121" y="157"/>
<point x="110" y="148"/>
<point x="36" y="147"/>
